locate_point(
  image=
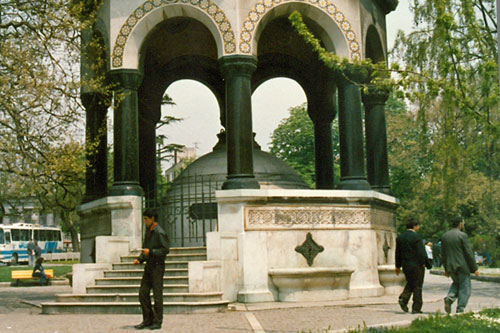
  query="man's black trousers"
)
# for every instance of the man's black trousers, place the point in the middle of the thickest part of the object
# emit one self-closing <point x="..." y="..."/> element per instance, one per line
<point x="152" y="279"/>
<point x="414" y="282"/>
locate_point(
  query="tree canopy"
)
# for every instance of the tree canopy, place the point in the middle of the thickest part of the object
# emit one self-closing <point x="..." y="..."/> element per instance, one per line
<point x="453" y="123"/>
<point x="41" y="133"/>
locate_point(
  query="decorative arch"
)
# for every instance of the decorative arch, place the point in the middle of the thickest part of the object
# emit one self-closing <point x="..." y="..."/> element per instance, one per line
<point x="150" y="13"/>
<point x="262" y="7"/>
<point x="374" y="48"/>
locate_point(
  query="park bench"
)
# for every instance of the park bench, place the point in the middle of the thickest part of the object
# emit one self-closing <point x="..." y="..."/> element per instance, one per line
<point x="27" y="274"/>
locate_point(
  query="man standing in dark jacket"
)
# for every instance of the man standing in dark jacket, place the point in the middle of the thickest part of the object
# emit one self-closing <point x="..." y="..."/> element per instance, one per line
<point x="154" y="250"/>
<point x="459" y="262"/>
<point x="411" y="255"/>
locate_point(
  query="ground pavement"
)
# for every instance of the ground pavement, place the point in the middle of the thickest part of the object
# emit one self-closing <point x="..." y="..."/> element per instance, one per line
<point x="19" y="313"/>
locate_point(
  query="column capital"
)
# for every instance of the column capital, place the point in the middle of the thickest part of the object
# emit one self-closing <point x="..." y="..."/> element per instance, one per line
<point x="129" y="79"/>
<point x="243" y="65"/>
<point x="376" y="95"/>
<point x="353" y="74"/>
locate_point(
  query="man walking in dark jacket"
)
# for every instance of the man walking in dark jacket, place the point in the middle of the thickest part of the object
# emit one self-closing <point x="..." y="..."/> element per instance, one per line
<point x="154" y="250"/>
<point x="459" y="262"/>
<point x="411" y="256"/>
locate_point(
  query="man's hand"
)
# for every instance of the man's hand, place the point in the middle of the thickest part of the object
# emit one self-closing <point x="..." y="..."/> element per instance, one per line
<point x="136" y="262"/>
<point x="446" y="273"/>
<point x="397" y="271"/>
<point x="145" y="252"/>
<point x="476" y="273"/>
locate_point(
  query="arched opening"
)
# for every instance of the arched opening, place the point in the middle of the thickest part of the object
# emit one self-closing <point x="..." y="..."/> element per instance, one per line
<point x="198" y="109"/>
<point x="271" y="102"/>
<point x="283" y="53"/>
<point x="177" y="49"/>
<point x="374" y="49"/>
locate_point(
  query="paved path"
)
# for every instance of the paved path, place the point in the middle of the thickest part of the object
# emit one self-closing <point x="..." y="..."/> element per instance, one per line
<point x="19" y="313"/>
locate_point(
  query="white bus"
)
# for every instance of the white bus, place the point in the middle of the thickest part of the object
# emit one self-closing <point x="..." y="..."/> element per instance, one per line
<point x="14" y="239"/>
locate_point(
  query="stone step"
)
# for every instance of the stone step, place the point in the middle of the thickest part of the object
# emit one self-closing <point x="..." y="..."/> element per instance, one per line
<point x="139" y="272"/>
<point x="118" y="281"/>
<point x="168" y="265"/>
<point x="127" y="289"/>
<point x="131" y="307"/>
<point x="195" y="256"/>
<point x="134" y="297"/>
<point x="177" y="250"/>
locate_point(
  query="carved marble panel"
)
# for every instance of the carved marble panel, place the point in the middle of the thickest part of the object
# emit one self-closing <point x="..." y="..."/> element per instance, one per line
<point x="309" y="217"/>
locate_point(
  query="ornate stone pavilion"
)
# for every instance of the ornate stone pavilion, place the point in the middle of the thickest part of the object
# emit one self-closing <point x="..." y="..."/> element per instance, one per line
<point x="328" y="243"/>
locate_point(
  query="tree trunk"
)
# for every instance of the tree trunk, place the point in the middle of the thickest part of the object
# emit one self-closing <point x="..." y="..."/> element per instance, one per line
<point x="74" y="239"/>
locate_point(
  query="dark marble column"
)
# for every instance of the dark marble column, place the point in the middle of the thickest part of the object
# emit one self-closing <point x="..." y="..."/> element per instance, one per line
<point x="147" y="158"/>
<point x="352" y="169"/>
<point x="96" y="106"/>
<point x="376" y="139"/>
<point x="237" y="72"/>
<point x="323" y="153"/>
<point x="321" y="109"/>
<point x="126" y="133"/>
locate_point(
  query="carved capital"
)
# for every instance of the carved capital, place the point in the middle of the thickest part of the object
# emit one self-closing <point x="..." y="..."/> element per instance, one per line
<point x="376" y="95"/>
<point x="354" y="74"/>
<point x="128" y="79"/>
<point x="238" y="65"/>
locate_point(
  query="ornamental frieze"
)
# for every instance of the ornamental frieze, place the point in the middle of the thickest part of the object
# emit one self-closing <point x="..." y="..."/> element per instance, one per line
<point x="305" y="217"/>
<point x="285" y="217"/>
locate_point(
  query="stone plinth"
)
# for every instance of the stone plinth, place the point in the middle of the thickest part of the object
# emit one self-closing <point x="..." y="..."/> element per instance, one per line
<point x="259" y="231"/>
<point x="311" y="284"/>
<point x="118" y="216"/>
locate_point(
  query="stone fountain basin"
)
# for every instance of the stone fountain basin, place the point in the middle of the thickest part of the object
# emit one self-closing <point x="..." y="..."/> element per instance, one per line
<point x="393" y="284"/>
<point x="312" y="283"/>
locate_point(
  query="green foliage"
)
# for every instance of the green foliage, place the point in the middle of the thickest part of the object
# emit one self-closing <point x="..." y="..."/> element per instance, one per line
<point x="293" y="142"/>
<point x="491" y="313"/>
<point x="453" y="128"/>
<point x="467" y="322"/>
<point x="41" y="138"/>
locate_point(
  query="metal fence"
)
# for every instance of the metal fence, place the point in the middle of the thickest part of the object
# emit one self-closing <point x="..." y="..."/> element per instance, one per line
<point x="187" y="208"/>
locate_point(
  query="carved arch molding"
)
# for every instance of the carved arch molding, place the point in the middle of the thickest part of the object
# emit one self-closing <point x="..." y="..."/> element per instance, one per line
<point x="224" y="26"/>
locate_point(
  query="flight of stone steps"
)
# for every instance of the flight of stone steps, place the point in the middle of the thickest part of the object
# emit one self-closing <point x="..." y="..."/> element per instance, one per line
<point x="117" y="292"/>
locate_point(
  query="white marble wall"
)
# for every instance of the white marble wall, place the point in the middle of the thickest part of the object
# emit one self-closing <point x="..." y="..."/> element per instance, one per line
<point x="256" y="236"/>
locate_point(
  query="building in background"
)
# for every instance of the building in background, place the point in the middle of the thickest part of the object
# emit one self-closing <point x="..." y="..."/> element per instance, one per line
<point x="27" y="210"/>
<point x="181" y="161"/>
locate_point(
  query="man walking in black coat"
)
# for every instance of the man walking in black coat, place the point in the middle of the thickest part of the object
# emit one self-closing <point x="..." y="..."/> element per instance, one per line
<point x="154" y="250"/>
<point x="459" y="262"/>
<point x="411" y="256"/>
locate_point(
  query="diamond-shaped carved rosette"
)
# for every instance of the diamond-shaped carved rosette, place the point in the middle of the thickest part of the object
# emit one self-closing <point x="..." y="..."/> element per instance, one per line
<point x="309" y="249"/>
<point x="386" y="249"/>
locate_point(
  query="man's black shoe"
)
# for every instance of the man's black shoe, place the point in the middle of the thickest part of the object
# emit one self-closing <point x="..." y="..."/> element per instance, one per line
<point x="142" y="326"/>
<point x="155" y="326"/>
<point x="403" y="306"/>
<point x="417" y="311"/>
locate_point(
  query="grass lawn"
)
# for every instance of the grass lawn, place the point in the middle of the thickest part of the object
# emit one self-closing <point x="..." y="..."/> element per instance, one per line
<point x="59" y="270"/>
<point x="486" y="321"/>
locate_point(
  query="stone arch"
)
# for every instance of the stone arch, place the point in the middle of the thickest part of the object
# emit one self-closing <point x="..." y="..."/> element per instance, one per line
<point x="341" y="36"/>
<point x="374" y="49"/>
<point x="136" y="27"/>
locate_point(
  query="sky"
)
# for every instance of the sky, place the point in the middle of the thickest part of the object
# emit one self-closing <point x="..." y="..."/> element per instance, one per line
<point x="270" y="102"/>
